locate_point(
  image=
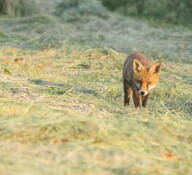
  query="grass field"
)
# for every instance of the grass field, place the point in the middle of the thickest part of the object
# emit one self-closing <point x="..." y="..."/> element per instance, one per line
<point x="61" y="98"/>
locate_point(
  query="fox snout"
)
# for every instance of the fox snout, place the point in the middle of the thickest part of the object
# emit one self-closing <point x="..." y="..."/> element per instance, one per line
<point x="143" y="93"/>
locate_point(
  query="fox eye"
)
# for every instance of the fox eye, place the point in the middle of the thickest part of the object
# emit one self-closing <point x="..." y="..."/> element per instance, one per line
<point x="139" y="82"/>
<point x="149" y="82"/>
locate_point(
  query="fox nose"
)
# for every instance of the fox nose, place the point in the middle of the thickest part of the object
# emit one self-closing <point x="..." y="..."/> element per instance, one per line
<point x="142" y="93"/>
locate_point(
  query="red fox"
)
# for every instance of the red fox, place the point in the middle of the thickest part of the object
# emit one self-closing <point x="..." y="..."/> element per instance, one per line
<point x="140" y="75"/>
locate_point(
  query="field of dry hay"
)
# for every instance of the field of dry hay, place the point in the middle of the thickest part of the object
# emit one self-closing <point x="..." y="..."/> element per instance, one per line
<point x="61" y="99"/>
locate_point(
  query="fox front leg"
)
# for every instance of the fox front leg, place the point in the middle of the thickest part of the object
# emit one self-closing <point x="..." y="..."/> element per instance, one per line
<point x="144" y="100"/>
<point x="128" y="93"/>
<point x="125" y="88"/>
<point x="137" y="99"/>
<point x="126" y="99"/>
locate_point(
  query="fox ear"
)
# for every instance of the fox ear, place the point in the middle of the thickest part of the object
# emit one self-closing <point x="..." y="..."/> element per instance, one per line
<point x="155" y="68"/>
<point x="137" y="66"/>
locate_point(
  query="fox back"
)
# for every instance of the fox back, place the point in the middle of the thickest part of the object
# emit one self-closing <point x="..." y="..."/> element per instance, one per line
<point x="140" y="75"/>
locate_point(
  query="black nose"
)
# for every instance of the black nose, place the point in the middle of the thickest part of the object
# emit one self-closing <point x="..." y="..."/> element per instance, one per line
<point x="142" y="93"/>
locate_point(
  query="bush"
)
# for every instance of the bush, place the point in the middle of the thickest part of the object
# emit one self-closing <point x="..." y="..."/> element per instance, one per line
<point x="74" y="9"/>
<point x="176" y="12"/>
<point x="18" y="7"/>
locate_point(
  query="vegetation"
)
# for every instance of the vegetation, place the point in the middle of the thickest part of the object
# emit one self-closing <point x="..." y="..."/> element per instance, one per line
<point x="176" y="12"/>
<point x="61" y="99"/>
<point x="18" y="7"/>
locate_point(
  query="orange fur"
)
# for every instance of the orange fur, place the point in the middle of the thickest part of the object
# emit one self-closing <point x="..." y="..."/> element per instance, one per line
<point x="140" y="75"/>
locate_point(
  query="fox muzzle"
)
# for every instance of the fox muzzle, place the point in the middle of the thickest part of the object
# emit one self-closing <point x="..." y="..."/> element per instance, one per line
<point x="143" y="93"/>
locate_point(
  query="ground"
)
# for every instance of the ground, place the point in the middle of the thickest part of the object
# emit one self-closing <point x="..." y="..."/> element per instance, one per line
<point x="61" y="98"/>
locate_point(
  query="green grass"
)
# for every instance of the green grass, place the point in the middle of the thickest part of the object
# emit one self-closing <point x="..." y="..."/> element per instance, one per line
<point x="61" y="98"/>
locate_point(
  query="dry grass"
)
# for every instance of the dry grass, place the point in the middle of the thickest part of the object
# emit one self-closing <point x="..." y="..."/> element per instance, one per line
<point x="61" y="112"/>
<point x="61" y="108"/>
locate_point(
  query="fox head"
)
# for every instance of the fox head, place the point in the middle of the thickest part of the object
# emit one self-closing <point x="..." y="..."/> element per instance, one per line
<point x="145" y="78"/>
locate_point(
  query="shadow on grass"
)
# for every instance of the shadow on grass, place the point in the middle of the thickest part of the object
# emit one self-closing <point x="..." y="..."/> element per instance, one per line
<point x="184" y="106"/>
<point x="62" y="88"/>
<point x="41" y="82"/>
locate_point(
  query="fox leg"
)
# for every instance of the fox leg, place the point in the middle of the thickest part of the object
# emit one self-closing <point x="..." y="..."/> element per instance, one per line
<point x="137" y="99"/>
<point x="127" y="93"/>
<point x="144" y="100"/>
